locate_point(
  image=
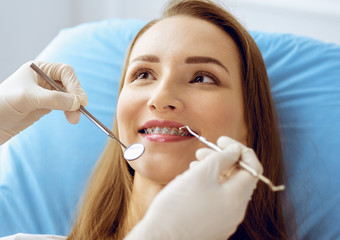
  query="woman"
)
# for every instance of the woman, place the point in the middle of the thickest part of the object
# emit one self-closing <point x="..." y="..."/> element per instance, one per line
<point x="195" y="66"/>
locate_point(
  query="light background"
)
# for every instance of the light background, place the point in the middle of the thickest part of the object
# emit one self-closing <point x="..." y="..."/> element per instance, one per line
<point x="28" y="26"/>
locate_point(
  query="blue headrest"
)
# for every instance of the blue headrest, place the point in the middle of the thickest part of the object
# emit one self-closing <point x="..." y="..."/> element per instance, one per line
<point x="44" y="169"/>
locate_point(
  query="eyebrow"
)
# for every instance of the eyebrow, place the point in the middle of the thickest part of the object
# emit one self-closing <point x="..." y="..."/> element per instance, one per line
<point x="202" y="59"/>
<point x="146" y="58"/>
<point x="189" y="60"/>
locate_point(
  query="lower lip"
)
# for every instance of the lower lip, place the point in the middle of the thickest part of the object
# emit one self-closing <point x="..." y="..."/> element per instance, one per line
<point x="162" y="138"/>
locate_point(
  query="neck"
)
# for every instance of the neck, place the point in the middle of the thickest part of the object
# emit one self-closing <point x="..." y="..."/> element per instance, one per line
<point x="143" y="192"/>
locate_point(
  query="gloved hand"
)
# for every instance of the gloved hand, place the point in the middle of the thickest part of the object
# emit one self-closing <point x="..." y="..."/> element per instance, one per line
<point x="201" y="203"/>
<point x="25" y="97"/>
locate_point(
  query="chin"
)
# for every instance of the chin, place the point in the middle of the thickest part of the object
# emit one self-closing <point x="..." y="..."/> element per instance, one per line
<point x="159" y="170"/>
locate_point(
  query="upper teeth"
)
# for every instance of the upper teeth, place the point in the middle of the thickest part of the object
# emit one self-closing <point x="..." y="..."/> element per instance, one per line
<point x="166" y="130"/>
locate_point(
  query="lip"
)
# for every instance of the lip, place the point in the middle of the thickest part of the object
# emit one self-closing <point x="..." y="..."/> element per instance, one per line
<point x="161" y="138"/>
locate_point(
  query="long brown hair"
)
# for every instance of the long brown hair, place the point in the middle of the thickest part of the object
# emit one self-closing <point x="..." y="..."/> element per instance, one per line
<point x="104" y="209"/>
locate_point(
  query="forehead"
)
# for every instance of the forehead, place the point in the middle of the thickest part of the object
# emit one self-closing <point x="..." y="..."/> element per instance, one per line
<point x="186" y="36"/>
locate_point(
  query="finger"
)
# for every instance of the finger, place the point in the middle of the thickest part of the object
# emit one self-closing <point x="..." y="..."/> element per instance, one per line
<point x="225" y="141"/>
<point x="248" y="156"/>
<point x="240" y="183"/>
<point x="68" y="78"/>
<point x="231" y="155"/>
<point x="72" y="117"/>
<point x="226" y="174"/>
<point x="52" y="99"/>
<point x="37" y="114"/>
<point x="242" y="179"/>
<point x="208" y="168"/>
<point x="203" y="153"/>
<point x="234" y="152"/>
<point x="193" y="164"/>
<point x="216" y="162"/>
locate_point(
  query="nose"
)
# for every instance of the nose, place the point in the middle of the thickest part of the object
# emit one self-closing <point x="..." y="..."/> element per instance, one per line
<point x="165" y="97"/>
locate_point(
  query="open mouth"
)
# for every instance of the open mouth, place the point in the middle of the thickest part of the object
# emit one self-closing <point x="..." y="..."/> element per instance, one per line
<point x="166" y="130"/>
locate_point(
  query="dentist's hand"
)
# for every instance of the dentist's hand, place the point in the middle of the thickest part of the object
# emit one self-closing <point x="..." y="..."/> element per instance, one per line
<point x="200" y="203"/>
<point x="25" y="97"/>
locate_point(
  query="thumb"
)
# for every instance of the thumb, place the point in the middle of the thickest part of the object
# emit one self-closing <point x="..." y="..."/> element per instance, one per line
<point x="214" y="163"/>
<point x="231" y="155"/>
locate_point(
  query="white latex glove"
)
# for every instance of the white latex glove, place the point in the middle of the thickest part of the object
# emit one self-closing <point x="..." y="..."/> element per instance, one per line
<point x="25" y="97"/>
<point x="197" y="204"/>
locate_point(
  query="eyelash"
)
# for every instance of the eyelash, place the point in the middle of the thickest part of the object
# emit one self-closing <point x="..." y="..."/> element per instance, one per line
<point x="139" y="71"/>
<point x="207" y="74"/>
<point x="136" y="73"/>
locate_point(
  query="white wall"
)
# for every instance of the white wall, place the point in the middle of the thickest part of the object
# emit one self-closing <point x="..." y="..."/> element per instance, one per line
<point x="28" y="26"/>
<point x="319" y="19"/>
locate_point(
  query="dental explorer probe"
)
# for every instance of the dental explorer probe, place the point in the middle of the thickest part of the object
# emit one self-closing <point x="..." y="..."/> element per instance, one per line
<point x="242" y="164"/>
<point x="132" y="152"/>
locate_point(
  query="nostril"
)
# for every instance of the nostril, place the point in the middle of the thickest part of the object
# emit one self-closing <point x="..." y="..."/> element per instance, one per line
<point x="164" y="104"/>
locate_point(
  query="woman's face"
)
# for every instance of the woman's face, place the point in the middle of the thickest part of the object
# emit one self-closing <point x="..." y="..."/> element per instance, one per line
<point x="182" y="71"/>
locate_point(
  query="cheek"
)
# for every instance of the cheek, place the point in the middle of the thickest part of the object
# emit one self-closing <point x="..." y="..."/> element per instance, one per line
<point x="234" y="123"/>
<point x="122" y="108"/>
<point x="127" y="109"/>
<point x="122" y="111"/>
<point x="224" y="116"/>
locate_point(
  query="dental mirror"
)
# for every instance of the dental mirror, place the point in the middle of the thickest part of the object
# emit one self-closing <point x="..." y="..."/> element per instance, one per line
<point x="132" y="152"/>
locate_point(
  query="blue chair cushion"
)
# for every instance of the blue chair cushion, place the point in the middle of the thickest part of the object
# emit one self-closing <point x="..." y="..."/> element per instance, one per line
<point x="44" y="169"/>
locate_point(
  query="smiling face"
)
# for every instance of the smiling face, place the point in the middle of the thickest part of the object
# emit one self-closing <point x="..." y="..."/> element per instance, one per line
<point x="181" y="71"/>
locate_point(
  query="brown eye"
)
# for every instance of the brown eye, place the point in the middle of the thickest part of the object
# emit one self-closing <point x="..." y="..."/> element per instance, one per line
<point x="201" y="79"/>
<point x="204" y="78"/>
<point x="141" y="74"/>
<point x="144" y="75"/>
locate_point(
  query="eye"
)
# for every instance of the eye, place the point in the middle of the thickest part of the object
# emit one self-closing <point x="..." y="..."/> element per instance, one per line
<point x="143" y="74"/>
<point x="204" y="77"/>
